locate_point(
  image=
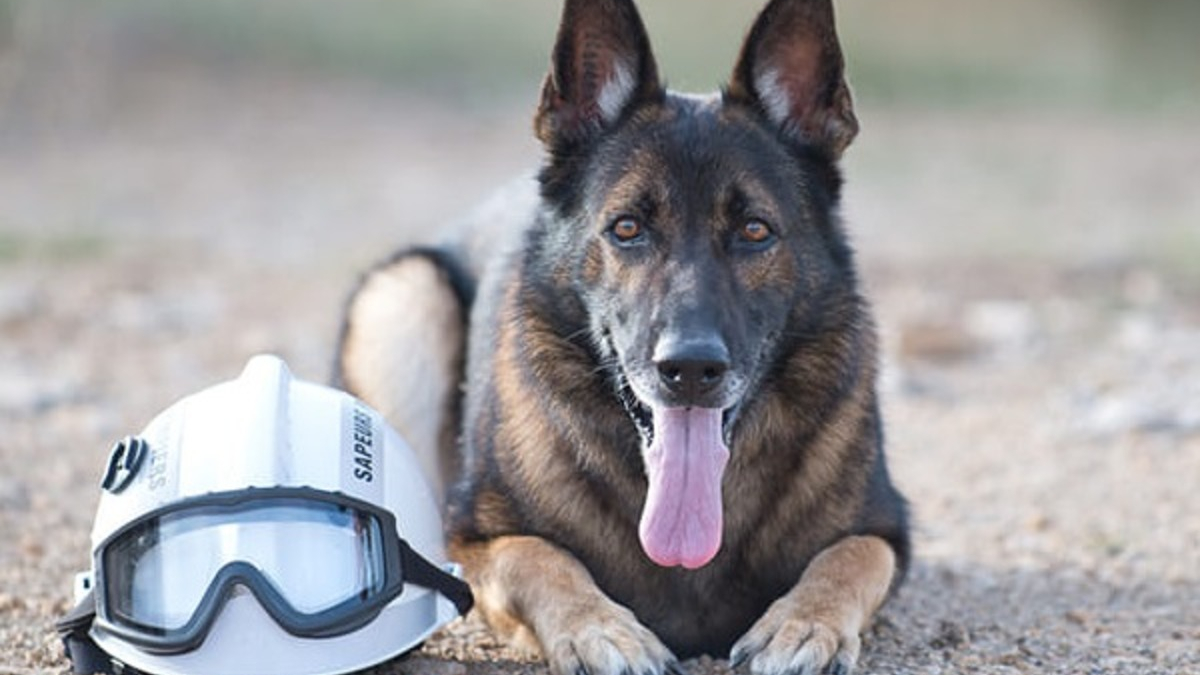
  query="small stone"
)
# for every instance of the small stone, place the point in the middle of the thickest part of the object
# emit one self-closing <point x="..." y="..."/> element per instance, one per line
<point x="1077" y="617"/>
<point x="1039" y="522"/>
<point x="32" y="548"/>
<point x="936" y="341"/>
<point x="1171" y="651"/>
<point x="11" y="603"/>
<point x="950" y="635"/>
<point x="1002" y="324"/>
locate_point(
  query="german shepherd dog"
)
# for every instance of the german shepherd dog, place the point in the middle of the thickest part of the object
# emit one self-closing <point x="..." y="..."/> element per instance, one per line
<point x="648" y="377"/>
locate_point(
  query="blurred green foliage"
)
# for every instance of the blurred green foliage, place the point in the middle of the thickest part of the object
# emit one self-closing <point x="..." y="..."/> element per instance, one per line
<point x="1122" y="54"/>
<point x="72" y="245"/>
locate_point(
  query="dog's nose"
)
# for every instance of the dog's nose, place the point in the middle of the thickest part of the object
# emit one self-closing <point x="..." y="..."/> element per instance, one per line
<point x="691" y="369"/>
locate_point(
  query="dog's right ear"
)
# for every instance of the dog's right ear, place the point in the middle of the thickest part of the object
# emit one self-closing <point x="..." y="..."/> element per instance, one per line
<point x="601" y="65"/>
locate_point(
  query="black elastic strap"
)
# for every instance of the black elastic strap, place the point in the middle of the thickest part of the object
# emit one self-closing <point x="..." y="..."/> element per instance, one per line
<point x="85" y="655"/>
<point x="421" y="572"/>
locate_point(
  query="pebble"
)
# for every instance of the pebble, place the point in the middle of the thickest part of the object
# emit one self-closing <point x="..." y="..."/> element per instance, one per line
<point x="1174" y="651"/>
<point x="950" y="635"/>
<point x="936" y="341"/>
<point x="1002" y="325"/>
<point x="11" y="603"/>
<point x="1137" y="411"/>
<point x="1078" y="617"/>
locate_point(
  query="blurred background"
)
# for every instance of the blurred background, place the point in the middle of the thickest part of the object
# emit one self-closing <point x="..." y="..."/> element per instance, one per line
<point x="1030" y="122"/>
<point x="183" y="184"/>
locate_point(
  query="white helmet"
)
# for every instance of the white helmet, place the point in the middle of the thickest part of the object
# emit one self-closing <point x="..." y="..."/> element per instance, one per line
<point x="263" y="526"/>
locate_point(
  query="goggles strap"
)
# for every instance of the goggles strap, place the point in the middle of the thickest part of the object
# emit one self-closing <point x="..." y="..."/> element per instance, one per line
<point x="81" y="650"/>
<point x="421" y="572"/>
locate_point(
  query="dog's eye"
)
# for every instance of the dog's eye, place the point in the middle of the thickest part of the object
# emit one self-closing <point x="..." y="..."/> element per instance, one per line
<point x="627" y="230"/>
<point x="755" y="232"/>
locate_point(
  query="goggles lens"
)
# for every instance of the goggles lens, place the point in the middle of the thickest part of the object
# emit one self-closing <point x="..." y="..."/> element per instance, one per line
<point x="313" y="555"/>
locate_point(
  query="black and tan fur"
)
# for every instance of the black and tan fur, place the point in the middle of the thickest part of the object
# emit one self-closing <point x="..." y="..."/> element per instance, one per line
<point x="564" y="333"/>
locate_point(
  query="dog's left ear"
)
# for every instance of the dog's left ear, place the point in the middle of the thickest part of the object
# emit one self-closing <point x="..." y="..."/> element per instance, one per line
<point x="791" y="69"/>
<point x="600" y="66"/>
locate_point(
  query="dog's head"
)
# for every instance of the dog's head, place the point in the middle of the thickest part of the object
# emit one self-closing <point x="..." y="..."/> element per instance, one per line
<point x="698" y="232"/>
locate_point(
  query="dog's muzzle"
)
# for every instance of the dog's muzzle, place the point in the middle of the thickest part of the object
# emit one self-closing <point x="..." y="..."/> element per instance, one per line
<point x="685" y="425"/>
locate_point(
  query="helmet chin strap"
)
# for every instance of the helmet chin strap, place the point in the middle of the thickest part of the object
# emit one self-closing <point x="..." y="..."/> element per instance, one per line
<point x="85" y="655"/>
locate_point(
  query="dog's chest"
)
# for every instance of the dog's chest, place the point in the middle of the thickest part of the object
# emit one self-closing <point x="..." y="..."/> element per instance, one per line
<point x="698" y="611"/>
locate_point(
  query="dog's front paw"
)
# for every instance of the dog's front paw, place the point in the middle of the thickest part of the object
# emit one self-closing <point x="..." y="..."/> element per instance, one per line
<point x="789" y="642"/>
<point x="604" y="638"/>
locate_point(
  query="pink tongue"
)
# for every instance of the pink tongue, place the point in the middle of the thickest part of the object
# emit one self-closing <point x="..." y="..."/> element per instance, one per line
<point x="681" y="521"/>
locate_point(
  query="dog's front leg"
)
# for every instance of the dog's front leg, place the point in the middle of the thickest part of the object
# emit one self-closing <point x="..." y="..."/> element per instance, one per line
<point x="815" y="627"/>
<point x="525" y="584"/>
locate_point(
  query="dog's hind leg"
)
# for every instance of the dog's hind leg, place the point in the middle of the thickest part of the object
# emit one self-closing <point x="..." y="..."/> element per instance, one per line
<point x="401" y="350"/>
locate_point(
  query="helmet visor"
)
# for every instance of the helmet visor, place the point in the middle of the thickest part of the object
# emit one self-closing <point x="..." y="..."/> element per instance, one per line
<point x="313" y="563"/>
<point x="316" y="555"/>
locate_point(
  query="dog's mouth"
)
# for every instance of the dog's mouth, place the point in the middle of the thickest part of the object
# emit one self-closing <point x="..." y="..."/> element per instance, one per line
<point x="684" y="451"/>
<point x="643" y="419"/>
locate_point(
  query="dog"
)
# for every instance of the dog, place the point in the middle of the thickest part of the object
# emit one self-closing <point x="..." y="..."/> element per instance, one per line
<point x="647" y="378"/>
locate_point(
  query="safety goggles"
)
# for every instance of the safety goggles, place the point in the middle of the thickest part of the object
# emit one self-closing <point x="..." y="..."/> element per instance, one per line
<point x="321" y="564"/>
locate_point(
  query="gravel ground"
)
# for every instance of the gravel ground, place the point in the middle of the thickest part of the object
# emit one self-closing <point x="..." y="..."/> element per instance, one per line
<point x="1034" y="276"/>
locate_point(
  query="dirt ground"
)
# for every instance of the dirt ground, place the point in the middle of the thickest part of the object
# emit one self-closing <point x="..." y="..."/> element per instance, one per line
<point x="1034" y="275"/>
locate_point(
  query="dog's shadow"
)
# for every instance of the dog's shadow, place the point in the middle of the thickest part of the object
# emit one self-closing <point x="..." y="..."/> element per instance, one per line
<point x="948" y="617"/>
